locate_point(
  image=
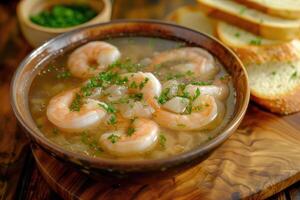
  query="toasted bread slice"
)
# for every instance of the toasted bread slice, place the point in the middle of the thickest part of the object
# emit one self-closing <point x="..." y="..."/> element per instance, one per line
<point x="282" y="8"/>
<point x="276" y="85"/>
<point x="192" y="17"/>
<point x="253" y="49"/>
<point x="270" y="27"/>
<point x="264" y="73"/>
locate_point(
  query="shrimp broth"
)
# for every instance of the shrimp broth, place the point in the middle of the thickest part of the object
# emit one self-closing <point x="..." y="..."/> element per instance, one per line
<point x="123" y="101"/>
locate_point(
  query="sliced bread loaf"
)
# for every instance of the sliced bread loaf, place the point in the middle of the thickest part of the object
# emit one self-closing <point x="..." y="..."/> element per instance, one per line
<point x="273" y="67"/>
<point x="259" y="23"/>
<point x="276" y="85"/>
<point x="253" y="49"/>
<point x="274" y="80"/>
<point x="282" y="8"/>
<point x="192" y="17"/>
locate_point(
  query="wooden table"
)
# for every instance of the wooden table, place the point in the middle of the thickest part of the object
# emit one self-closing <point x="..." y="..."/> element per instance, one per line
<point x="19" y="176"/>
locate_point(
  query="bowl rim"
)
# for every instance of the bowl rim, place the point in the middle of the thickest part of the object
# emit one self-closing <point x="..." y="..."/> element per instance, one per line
<point x="102" y="15"/>
<point x="46" y="144"/>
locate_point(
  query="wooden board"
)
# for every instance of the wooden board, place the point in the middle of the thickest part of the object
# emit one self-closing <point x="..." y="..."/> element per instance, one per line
<point x="259" y="160"/>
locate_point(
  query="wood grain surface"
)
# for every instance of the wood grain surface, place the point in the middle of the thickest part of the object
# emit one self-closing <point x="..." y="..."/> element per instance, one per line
<point x="13" y="142"/>
<point x="259" y="160"/>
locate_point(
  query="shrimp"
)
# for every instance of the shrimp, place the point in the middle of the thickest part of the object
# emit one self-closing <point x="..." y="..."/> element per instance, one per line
<point x="204" y="111"/>
<point x="193" y="59"/>
<point x="89" y="116"/>
<point x="142" y="139"/>
<point x="219" y="90"/>
<point x="92" y="58"/>
<point x="147" y="84"/>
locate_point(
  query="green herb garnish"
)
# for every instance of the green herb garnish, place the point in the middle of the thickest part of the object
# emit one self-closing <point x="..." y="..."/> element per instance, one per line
<point x="113" y="138"/>
<point x="181" y="125"/>
<point x="171" y="76"/>
<point x="242" y="10"/>
<point x="91" y="143"/>
<point x="108" y="107"/>
<point x="62" y="16"/>
<point x="180" y="44"/>
<point x="273" y="73"/>
<point x="130" y="131"/>
<point x="197" y="94"/>
<point x="63" y="75"/>
<point x="294" y="75"/>
<point x="133" y="85"/>
<point x="126" y="65"/>
<point x="143" y="83"/>
<point x="237" y="34"/>
<point x="201" y="83"/>
<point x="40" y="126"/>
<point x="112" y="120"/>
<point x="137" y="96"/>
<point x="163" y="97"/>
<point x="76" y="103"/>
<point x="55" y="131"/>
<point x="209" y="138"/>
<point x="256" y="41"/>
<point x="162" y="140"/>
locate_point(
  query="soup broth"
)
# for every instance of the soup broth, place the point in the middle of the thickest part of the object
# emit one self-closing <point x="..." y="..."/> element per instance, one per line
<point x="146" y="96"/>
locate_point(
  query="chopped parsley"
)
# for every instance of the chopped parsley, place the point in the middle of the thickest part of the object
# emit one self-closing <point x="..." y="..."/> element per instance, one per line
<point x="103" y="80"/>
<point x="209" y="138"/>
<point x="291" y="64"/>
<point x="261" y="20"/>
<point x="197" y="94"/>
<point x="133" y="85"/>
<point x="63" y="75"/>
<point x="180" y="44"/>
<point x="137" y="96"/>
<point x="294" y="75"/>
<point x="108" y="107"/>
<point x="55" y="131"/>
<point x="181" y="125"/>
<point x="113" y="138"/>
<point x="162" y="140"/>
<point x="163" y="97"/>
<point x="237" y="34"/>
<point x="273" y="73"/>
<point x="122" y="100"/>
<point x="126" y="65"/>
<point x="40" y="126"/>
<point x="197" y="108"/>
<point x="112" y="120"/>
<point x="130" y="131"/>
<point x="91" y="143"/>
<point x="201" y="83"/>
<point x="143" y="83"/>
<point x="76" y="103"/>
<point x="242" y="10"/>
<point x="151" y="43"/>
<point x="256" y="41"/>
<point x="225" y="77"/>
<point x="171" y="76"/>
<point x="189" y="109"/>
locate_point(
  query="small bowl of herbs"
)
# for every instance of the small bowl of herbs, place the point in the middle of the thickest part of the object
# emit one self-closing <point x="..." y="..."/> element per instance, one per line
<point x="41" y="20"/>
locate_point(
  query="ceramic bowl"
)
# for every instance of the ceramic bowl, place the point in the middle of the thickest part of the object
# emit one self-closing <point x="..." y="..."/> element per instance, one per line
<point x="36" y="34"/>
<point x="67" y="42"/>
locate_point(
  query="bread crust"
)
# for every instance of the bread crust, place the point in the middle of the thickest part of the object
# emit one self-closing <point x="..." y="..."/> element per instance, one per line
<point x="285" y="104"/>
<point x="270" y="53"/>
<point x="283" y="52"/>
<point x="285" y="13"/>
<point x="258" y="54"/>
<point x="259" y="28"/>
